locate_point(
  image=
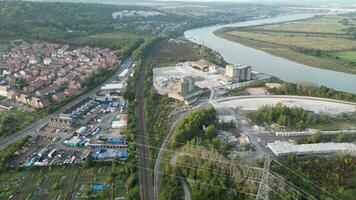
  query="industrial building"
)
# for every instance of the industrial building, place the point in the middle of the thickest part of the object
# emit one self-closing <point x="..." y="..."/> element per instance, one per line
<point x="61" y="123"/>
<point x="186" y="86"/>
<point x="120" y="122"/>
<point x="79" y="109"/>
<point x="312" y="132"/>
<point x="282" y="148"/>
<point x="203" y="65"/>
<point x="238" y="73"/>
<point x="186" y="91"/>
<point x="75" y="142"/>
<point x="103" y="154"/>
<point x="112" y="88"/>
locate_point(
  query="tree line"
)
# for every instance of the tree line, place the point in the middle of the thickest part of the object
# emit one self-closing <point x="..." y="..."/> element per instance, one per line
<point x="313" y="91"/>
<point x="294" y="117"/>
<point x="192" y="126"/>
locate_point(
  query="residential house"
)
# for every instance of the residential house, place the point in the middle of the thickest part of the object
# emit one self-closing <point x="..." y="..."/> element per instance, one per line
<point x="58" y="97"/>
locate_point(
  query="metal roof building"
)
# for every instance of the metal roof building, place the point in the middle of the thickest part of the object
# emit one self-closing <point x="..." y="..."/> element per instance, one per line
<point x="281" y="148"/>
<point x="113" y="86"/>
<point x="123" y="73"/>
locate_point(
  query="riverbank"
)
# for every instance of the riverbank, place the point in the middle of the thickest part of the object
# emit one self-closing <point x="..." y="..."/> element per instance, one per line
<point x="289" y="54"/>
<point x="317" y="42"/>
<point x="267" y="63"/>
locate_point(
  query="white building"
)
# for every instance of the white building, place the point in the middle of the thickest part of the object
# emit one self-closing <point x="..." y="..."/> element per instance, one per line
<point x="281" y="148"/>
<point x="112" y="88"/>
<point x="47" y="61"/>
<point x="238" y="73"/>
<point x="4" y="90"/>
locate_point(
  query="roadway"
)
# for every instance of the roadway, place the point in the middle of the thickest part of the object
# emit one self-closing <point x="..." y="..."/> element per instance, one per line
<point x="315" y="104"/>
<point x="33" y="128"/>
<point x="162" y="150"/>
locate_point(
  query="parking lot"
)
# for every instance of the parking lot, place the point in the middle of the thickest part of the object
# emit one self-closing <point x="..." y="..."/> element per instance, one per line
<point x="80" y="131"/>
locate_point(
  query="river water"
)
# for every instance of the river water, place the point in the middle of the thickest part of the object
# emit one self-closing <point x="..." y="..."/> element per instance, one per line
<point x="263" y="62"/>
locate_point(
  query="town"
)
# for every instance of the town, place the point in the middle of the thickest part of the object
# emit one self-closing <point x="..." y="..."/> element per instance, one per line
<point x="40" y="74"/>
<point x="37" y="75"/>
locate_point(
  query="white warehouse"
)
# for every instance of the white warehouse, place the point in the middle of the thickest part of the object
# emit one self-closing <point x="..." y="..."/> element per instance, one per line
<point x="281" y="148"/>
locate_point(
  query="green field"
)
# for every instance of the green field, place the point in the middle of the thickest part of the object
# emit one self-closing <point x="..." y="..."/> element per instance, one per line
<point x="326" y="24"/>
<point x="322" y="42"/>
<point x="345" y="55"/>
<point x="14" y="120"/>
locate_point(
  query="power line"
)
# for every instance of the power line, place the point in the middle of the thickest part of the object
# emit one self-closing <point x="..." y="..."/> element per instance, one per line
<point x="247" y="178"/>
<point x="296" y="188"/>
<point x="298" y="174"/>
<point x="199" y="146"/>
<point x="188" y="179"/>
<point x="221" y="172"/>
<point x="264" y="188"/>
<point x="247" y="166"/>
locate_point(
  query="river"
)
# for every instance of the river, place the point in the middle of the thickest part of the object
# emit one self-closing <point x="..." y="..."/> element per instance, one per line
<point x="261" y="61"/>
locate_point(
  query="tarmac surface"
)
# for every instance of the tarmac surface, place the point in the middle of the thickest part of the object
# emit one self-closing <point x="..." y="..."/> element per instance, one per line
<point x="253" y="102"/>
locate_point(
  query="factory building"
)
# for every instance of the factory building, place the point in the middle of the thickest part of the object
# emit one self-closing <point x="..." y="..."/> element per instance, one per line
<point x="186" y="91"/>
<point x="112" y="88"/>
<point x="281" y="148"/>
<point x="61" y="123"/>
<point x="238" y="73"/>
<point x="203" y="65"/>
<point x="103" y="154"/>
<point x="186" y="86"/>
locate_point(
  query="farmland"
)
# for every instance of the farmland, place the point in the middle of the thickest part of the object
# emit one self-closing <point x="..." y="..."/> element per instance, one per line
<point x="322" y="42"/>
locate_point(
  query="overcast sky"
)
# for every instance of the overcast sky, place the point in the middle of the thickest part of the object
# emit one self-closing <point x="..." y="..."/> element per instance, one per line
<point x="281" y="1"/>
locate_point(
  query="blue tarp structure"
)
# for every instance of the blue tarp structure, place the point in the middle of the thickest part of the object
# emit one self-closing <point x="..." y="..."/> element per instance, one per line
<point x="116" y="140"/>
<point x="102" y="154"/>
<point x="97" y="187"/>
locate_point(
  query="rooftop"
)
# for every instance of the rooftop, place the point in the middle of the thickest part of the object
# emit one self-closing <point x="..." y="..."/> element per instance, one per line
<point x="113" y="86"/>
<point x="280" y="148"/>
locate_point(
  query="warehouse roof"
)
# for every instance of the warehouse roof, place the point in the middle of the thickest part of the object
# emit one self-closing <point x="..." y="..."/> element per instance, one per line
<point x="284" y="148"/>
<point x="112" y="86"/>
<point x="123" y="73"/>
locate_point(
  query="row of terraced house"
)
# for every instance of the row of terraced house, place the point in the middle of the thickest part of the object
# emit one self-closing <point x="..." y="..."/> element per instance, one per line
<point x="40" y="74"/>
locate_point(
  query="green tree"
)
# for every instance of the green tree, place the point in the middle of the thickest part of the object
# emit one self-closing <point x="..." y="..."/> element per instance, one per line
<point x="340" y="137"/>
<point x="210" y="131"/>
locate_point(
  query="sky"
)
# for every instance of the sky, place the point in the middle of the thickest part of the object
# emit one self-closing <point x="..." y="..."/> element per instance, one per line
<point x="293" y="2"/>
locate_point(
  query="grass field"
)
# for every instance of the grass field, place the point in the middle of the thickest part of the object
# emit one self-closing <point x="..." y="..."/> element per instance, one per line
<point x="106" y="40"/>
<point x="14" y="120"/>
<point x="327" y="24"/>
<point x="175" y="52"/>
<point x="316" y="42"/>
<point x="45" y="183"/>
<point x="346" y="55"/>
<point x="319" y="42"/>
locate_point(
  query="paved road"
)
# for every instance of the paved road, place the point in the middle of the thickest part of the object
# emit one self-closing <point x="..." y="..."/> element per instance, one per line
<point x="164" y="147"/>
<point x="187" y="195"/>
<point x="35" y="126"/>
<point x="315" y="104"/>
<point x="241" y="121"/>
